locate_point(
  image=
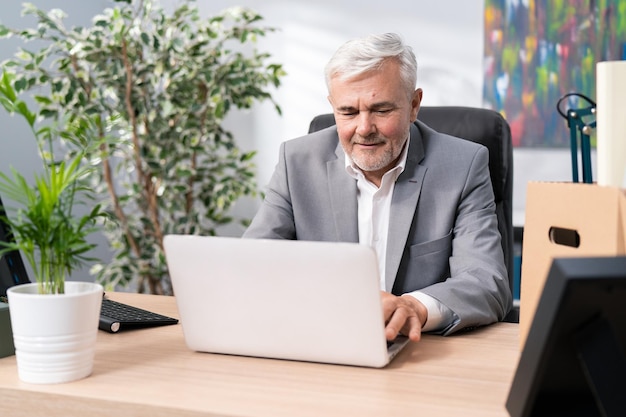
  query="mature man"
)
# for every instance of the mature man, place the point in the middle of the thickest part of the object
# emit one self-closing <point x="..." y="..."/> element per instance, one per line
<point x="421" y="199"/>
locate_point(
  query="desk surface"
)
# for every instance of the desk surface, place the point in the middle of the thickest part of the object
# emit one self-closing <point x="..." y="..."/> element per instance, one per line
<point x="151" y="372"/>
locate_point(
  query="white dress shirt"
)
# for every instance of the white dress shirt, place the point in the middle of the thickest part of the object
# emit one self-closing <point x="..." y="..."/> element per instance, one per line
<point x="374" y="209"/>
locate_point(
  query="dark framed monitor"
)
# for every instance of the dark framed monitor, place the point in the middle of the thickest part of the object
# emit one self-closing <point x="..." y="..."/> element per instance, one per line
<point x="573" y="362"/>
<point x="12" y="271"/>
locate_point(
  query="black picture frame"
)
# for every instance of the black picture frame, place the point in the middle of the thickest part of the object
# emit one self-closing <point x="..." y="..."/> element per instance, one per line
<point x="573" y="362"/>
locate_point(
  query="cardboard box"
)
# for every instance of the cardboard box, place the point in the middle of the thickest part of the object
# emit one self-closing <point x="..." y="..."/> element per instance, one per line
<point x="566" y="220"/>
<point x="6" y="336"/>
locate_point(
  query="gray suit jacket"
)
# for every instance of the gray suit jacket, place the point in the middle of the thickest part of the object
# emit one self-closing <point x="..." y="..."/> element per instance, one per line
<point x="443" y="235"/>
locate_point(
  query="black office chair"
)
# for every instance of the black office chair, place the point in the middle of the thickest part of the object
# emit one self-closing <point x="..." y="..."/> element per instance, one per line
<point x="488" y="128"/>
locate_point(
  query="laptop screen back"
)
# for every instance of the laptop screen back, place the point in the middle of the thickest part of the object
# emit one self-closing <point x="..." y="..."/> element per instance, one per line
<point x="311" y="301"/>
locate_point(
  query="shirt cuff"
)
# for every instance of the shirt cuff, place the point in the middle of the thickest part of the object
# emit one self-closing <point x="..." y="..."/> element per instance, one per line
<point x="439" y="316"/>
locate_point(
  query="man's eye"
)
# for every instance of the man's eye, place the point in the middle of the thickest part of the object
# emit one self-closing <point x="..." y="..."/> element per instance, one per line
<point x="383" y="111"/>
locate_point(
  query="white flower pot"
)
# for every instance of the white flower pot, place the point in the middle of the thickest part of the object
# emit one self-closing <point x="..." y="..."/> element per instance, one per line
<point x="55" y="335"/>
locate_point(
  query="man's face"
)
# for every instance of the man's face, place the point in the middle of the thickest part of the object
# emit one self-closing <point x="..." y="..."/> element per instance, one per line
<point x="373" y="113"/>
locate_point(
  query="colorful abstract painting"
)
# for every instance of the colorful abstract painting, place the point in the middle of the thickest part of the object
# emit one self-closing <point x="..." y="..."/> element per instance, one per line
<point x="537" y="51"/>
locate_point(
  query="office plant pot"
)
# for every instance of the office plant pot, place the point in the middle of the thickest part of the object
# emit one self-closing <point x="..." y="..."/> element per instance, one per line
<point x="55" y="334"/>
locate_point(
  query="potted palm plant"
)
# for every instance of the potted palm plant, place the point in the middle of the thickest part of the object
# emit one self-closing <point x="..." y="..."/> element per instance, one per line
<point x="54" y="321"/>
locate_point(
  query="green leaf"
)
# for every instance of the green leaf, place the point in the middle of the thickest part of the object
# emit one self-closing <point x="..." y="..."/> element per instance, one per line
<point x="6" y="86"/>
<point x="21" y="108"/>
<point x="7" y="104"/>
<point x="4" y="31"/>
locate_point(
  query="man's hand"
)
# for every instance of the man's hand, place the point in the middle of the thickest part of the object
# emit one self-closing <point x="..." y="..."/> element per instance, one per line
<point x="403" y="314"/>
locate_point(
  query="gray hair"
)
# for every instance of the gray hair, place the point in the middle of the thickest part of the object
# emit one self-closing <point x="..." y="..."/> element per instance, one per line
<point x="366" y="54"/>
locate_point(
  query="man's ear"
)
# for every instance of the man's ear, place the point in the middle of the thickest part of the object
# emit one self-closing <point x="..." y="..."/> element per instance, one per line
<point x="415" y="103"/>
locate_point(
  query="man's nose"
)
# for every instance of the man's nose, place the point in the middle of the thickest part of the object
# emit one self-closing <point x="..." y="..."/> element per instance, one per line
<point x="365" y="124"/>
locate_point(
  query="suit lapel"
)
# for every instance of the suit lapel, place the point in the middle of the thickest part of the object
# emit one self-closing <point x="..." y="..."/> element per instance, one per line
<point x="403" y="205"/>
<point x="343" y="197"/>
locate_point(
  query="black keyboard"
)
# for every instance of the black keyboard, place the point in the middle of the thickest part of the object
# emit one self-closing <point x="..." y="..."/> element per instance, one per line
<point x="116" y="316"/>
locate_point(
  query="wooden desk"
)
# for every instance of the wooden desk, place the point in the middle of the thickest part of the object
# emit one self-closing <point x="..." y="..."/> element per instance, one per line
<point x="151" y="372"/>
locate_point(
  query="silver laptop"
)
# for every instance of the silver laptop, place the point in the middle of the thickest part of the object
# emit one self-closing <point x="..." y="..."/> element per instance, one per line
<point x="282" y="299"/>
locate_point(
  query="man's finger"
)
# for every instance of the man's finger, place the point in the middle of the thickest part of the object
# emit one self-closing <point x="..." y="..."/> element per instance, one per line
<point x="403" y="320"/>
<point x="413" y="328"/>
<point x="396" y="323"/>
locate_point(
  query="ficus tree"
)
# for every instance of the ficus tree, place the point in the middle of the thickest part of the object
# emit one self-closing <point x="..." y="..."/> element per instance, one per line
<point x="156" y="87"/>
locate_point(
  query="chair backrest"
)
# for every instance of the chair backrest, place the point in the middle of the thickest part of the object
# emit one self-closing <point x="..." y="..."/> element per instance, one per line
<point x="483" y="126"/>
